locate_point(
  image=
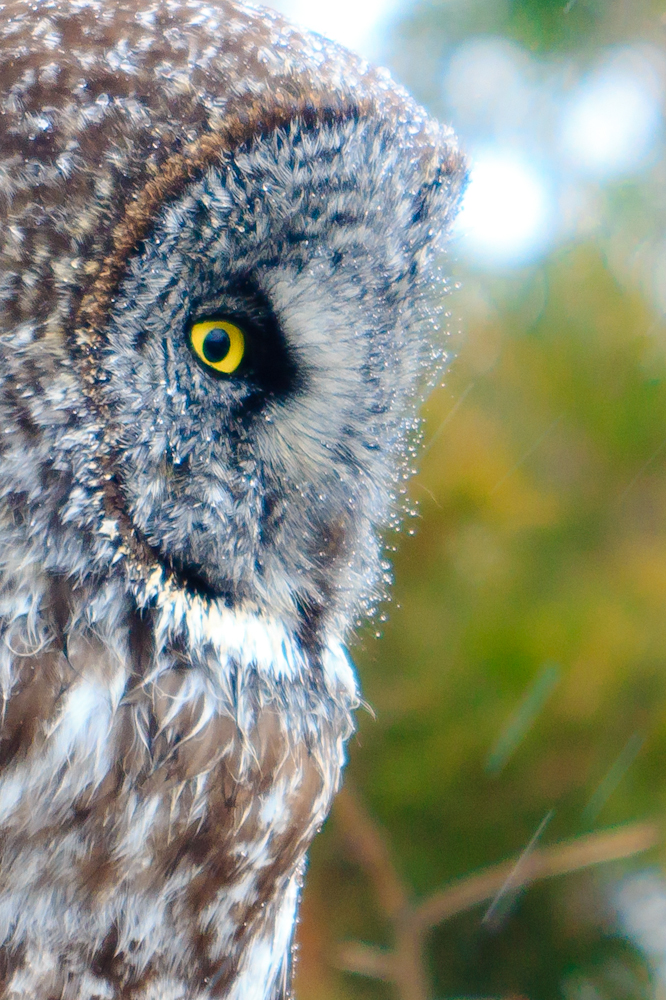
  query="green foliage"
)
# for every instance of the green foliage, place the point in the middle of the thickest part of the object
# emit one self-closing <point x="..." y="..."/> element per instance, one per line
<point x="549" y="24"/>
<point x="522" y="668"/>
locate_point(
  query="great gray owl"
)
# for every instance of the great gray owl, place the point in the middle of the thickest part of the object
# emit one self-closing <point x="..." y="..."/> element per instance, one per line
<point x="218" y="241"/>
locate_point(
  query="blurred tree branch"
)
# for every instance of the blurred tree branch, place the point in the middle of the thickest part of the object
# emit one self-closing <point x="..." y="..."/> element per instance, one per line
<point x="404" y="966"/>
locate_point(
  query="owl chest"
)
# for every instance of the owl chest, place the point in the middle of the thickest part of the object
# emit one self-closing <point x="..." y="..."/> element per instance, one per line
<point x="155" y="840"/>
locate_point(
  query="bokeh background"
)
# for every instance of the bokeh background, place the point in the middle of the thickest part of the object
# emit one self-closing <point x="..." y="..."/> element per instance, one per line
<point x="519" y="682"/>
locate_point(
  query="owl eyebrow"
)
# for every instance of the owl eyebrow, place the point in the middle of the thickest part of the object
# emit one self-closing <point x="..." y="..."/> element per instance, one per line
<point x="180" y="169"/>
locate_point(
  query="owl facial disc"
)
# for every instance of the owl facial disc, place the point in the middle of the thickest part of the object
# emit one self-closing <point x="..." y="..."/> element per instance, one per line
<point x="259" y="367"/>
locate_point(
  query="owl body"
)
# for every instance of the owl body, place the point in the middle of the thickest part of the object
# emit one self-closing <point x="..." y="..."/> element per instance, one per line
<point x="183" y="549"/>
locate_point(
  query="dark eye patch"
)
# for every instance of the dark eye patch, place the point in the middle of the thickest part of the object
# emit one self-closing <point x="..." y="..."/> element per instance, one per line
<point x="269" y="366"/>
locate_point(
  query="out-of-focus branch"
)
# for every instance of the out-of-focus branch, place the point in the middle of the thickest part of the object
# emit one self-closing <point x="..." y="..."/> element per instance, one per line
<point x="560" y="859"/>
<point x="404" y="965"/>
<point x="368" y="843"/>
<point x="366" y="960"/>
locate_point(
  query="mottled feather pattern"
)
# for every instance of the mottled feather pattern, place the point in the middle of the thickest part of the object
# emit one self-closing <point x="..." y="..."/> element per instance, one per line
<point x="182" y="558"/>
<point x="171" y="804"/>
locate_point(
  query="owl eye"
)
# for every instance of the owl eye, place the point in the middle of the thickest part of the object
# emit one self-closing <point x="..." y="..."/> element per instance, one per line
<point x="218" y="344"/>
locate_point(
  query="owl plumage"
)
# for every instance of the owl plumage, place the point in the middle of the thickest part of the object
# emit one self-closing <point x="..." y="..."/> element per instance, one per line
<point x="184" y="550"/>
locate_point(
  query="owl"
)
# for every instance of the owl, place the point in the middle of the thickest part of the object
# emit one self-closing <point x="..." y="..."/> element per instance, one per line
<point x="219" y="237"/>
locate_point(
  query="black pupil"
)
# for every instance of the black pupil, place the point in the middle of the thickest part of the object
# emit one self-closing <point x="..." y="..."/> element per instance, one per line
<point x="216" y="345"/>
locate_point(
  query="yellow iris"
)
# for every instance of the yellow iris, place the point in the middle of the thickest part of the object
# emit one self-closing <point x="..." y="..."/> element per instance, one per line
<point x="219" y="344"/>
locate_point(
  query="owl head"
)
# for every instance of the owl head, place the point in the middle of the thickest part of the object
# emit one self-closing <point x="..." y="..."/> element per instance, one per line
<point x="219" y="242"/>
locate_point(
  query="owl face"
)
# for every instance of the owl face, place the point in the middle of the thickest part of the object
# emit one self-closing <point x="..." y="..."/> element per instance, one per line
<point x="268" y="189"/>
<point x="259" y="366"/>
